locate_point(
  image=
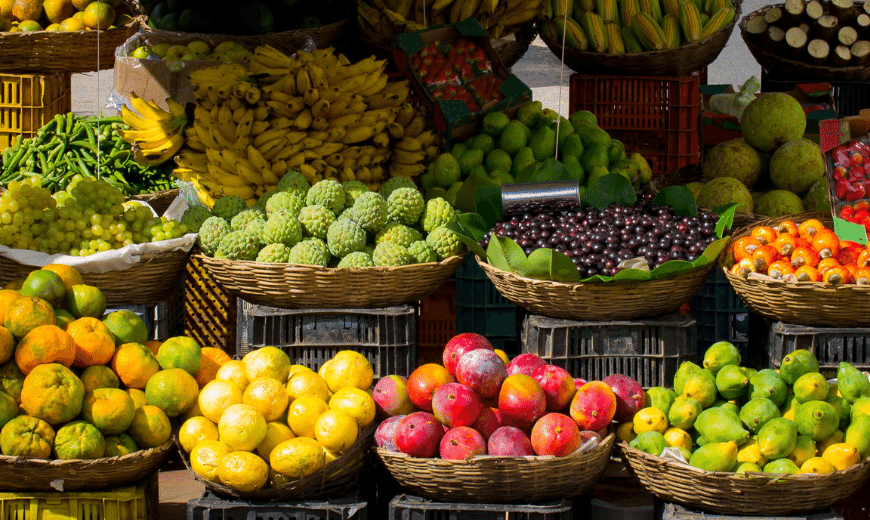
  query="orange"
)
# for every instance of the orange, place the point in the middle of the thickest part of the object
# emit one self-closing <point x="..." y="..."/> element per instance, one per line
<point x="267" y="361"/>
<point x="27" y="436"/>
<point x="53" y="393"/>
<point x="7" y="296"/>
<point x="153" y="345"/>
<point x="79" y="440"/>
<point x="193" y="411"/>
<point x="336" y="430"/>
<point x="63" y="317"/>
<point x="85" y="300"/>
<point x="357" y="403"/>
<point x="304" y="383"/>
<point x="99" y="376"/>
<point x="243" y="471"/>
<point x="26" y="313"/>
<point x="297" y="368"/>
<point x="297" y="457"/>
<point x="94" y="343"/>
<point x="150" y="427"/>
<point x="45" y="344"/>
<point x="127" y="327"/>
<point x="7" y="344"/>
<point x="111" y="410"/>
<point x="44" y="284"/>
<point x="195" y="430"/>
<point x="134" y="365"/>
<point x="216" y="397"/>
<point x="57" y="11"/>
<point x="180" y="352"/>
<point x="138" y="397"/>
<point x="72" y="24"/>
<point x="29" y="26"/>
<point x="174" y="391"/>
<point x="234" y="371"/>
<point x="99" y="16"/>
<point x="69" y="275"/>
<point x="241" y="427"/>
<point x="303" y="414"/>
<point x="276" y="433"/>
<point x="8" y="408"/>
<point x="81" y="4"/>
<point x="348" y="368"/>
<point x="119" y="445"/>
<point x="212" y="359"/>
<point x="204" y="459"/>
<point x="27" y="9"/>
<point x="6" y="9"/>
<point x="268" y="396"/>
<point x="11" y="380"/>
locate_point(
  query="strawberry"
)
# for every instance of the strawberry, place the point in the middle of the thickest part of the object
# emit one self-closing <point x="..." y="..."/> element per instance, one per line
<point x="846" y="212"/>
<point x="856" y="173"/>
<point x="840" y="188"/>
<point x="855" y="191"/>
<point x="856" y="158"/>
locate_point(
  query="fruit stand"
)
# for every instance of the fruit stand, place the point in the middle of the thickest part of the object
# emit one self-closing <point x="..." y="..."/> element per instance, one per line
<point x="341" y="263"/>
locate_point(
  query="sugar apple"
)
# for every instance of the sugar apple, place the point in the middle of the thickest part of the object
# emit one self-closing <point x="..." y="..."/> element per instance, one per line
<point x="240" y="245"/>
<point x="228" y="207"/>
<point x="421" y="252"/>
<point x="194" y="216"/>
<point x="244" y="217"/>
<point x="285" y="201"/>
<point x="293" y="182"/>
<point x="394" y="183"/>
<point x="210" y="234"/>
<point x="389" y="254"/>
<point x="344" y="237"/>
<point x="398" y="234"/>
<point x="275" y="253"/>
<point x="437" y="213"/>
<point x="405" y="206"/>
<point x="352" y="190"/>
<point x="327" y="193"/>
<point x="315" y="221"/>
<point x="264" y="198"/>
<point x="282" y="228"/>
<point x="348" y="214"/>
<point x="370" y="210"/>
<point x="445" y="242"/>
<point x="256" y="226"/>
<point x="321" y="245"/>
<point x="356" y="259"/>
<point x="307" y="253"/>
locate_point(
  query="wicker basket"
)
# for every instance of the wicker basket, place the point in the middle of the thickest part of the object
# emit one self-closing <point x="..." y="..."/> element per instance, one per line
<point x="776" y="64"/>
<point x="46" y="52"/>
<point x="803" y="303"/>
<point x="154" y="279"/>
<point x="305" y="286"/>
<point x="682" y="61"/>
<point x="510" y="50"/>
<point x="159" y="200"/>
<point x="323" y="37"/>
<point x="334" y="479"/>
<point x="756" y="494"/>
<point x="26" y="474"/>
<point x="489" y="479"/>
<point x="598" y="301"/>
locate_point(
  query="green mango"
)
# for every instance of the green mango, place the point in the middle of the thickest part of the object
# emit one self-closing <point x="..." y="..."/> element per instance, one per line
<point x="624" y="167"/>
<point x="782" y="466"/>
<point x="861" y="406"/>
<point x="574" y="169"/>
<point x="458" y="149"/>
<point x="427" y="180"/>
<point x="543" y="143"/>
<point x="616" y="151"/>
<point x="513" y="138"/>
<point x="566" y="130"/>
<point x="790" y="407"/>
<point x="731" y="382"/>
<point x="450" y="196"/>
<point x="594" y="155"/>
<point x="528" y="113"/>
<point x="852" y="384"/>
<point x="471" y="158"/>
<point x="685" y="452"/>
<point x="522" y="160"/>
<point x="767" y="383"/>
<point x="717" y="456"/>
<point x="446" y="171"/>
<point x="501" y="177"/>
<point x="686" y="369"/>
<point x="721" y="425"/>
<point x="595" y="174"/>
<point x="483" y="142"/>
<point x="651" y="442"/>
<point x="842" y="406"/>
<point x="777" y="438"/>
<point x="747" y="467"/>
<point x="702" y="386"/>
<point x="858" y="435"/>
<point x="811" y="386"/>
<point x="796" y="364"/>
<point x="661" y="398"/>
<point x="547" y="117"/>
<point x="572" y="146"/>
<point x="583" y="115"/>
<point x="748" y="371"/>
<point x="720" y="354"/>
<point x="684" y="411"/>
<point x="804" y="448"/>
<point x="749" y="451"/>
<point x="495" y="122"/>
<point x="727" y="405"/>
<point x="817" y="419"/>
<point x="757" y="412"/>
<point x="498" y="159"/>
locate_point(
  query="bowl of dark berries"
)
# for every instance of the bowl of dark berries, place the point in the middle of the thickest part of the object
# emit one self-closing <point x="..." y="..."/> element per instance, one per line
<point x="623" y="261"/>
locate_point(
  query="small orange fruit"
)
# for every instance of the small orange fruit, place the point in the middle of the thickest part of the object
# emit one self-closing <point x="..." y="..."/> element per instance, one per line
<point x="26" y="313"/>
<point x="212" y="359"/>
<point x="94" y="343"/>
<point x="99" y="16"/>
<point x="134" y="365"/>
<point x="45" y="344"/>
<point x="69" y="275"/>
<point x="7" y="344"/>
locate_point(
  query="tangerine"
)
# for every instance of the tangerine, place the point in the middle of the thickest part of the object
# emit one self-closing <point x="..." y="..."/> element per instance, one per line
<point x="7" y="344"/>
<point x="234" y="371"/>
<point x="150" y="427"/>
<point x="53" y="393"/>
<point x="216" y="397"/>
<point x="120" y="445"/>
<point x="134" y="365"/>
<point x="195" y="430"/>
<point x="126" y="327"/>
<point x="47" y="285"/>
<point x="212" y="359"/>
<point x="111" y="410"/>
<point x="267" y="361"/>
<point x="26" y="313"/>
<point x="99" y="376"/>
<point x="45" y="344"/>
<point x="79" y="440"/>
<point x="268" y="396"/>
<point x="276" y="433"/>
<point x="174" y="391"/>
<point x="69" y="275"/>
<point x="86" y="300"/>
<point x="204" y="458"/>
<point x="303" y="414"/>
<point x="7" y="296"/>
<point x="243" y="471"/>
<point x="180" y="352"/>
<point x="297" y="457"/>
<point x="99" y="15"/>
<point x="241" y="427"/>
<point x="26" y="436"/>
<point x="94" y="343"/>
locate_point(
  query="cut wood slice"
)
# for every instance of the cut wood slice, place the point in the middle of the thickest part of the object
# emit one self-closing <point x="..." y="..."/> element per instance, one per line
<point x="844" y="10"/>
<point x="773" y="16"/>
<point x="841" y="56"/>
<point x="773" y="38"/>
<point x="861" y="52"/>
<point x="847" y="36"/>
<point x="862" y="24"/>
<point x="865" y="7"/>
<point x="814" y="10"/>
<point x="795" y="42"/>
<point x="805" y="27"/>
<point x="818" y="51"/>
<point x="826" y="28"/>
<point x="793" y="10"/>
<point x="756" y="27"/>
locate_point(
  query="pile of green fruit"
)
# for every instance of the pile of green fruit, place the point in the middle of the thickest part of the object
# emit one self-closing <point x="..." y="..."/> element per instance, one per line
<point x="725" y="417"/>
<point x="531" y="147"/>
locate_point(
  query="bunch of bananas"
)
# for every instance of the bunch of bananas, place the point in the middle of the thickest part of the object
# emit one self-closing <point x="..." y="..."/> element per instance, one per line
<point x="380" y="20"/>
<point x="156" y="135"/>
<point x="315" y="113"/>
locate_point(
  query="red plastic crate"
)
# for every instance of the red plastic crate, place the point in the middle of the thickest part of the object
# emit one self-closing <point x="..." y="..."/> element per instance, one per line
<point x="436" y="321"/>
<point x="666" y="150"/>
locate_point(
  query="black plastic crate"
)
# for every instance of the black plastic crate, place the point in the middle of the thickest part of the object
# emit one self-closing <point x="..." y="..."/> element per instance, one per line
<point x="720" y="314"/>
<point x="482" y="309"/>
<point x="669" y="511"/>
<point x="409" y="507"/>
<point x="831" y="345"/>
<point x="849" y="96"/>
<point x="387" y="337"/>
<point x="212" y="507"/>
<point x="649" y="350"/>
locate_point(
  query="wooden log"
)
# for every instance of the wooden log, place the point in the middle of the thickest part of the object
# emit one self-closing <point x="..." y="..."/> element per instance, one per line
<point x="841" y="56"/>
<point x="805" y="27"/>
<point x="756" y="27"/>
<point x="862" y="24"/>
<point x="847" y="36"/>
<point x="844" y="10"/>
<point x="773" y="16"/>
<point x="773" y="39"/>
<point x="814" y="10"/>
<point x="795" y="43"/>
<point x="793" y="11"/>
<point x="861" y="52"/>
<point x="818" y="51"/>
<point x="826" y="28"/>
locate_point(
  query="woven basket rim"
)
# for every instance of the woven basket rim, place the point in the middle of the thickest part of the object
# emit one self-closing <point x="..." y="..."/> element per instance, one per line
<point x="134" y="22"/>
<point x="28" y="463"/>
<point x="284" y="267"/>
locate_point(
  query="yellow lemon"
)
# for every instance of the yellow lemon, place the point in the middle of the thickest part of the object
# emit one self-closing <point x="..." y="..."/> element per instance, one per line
<point x="204" y="458"/>
<point x="650" y="419"/>
<point x="502" y="355"/>
<point x="216" y="396"/>
<point x="242" y="428"/>
<point x="294" y="369"/>
<point x="841" y="455"/>
<point x="625" y="432"/>
<point x="303" y="414"/>
<point x="836" y="438"/>
<point x="243" y="471"/>
<point x="297" y="457"/>
<point x="267" y="361"/>
<point x="348" y="369"/>
<point x="676" y="437"/>
<point x="357" y="403"/>
<point x="195" y="430"/>
<point x="276" y="433"/>
<point x="234" y="371"/>
<point x="336" y="430"/>
<point x="817" y="465"/>
<point x="306" y="382"/>
<point x="268" y="396"/>
<point x="751" y="452"/>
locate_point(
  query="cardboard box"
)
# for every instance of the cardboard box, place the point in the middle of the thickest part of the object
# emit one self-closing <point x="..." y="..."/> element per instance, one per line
<point x="834" y="132"/>
<point x="717" y="128"/>
<point x="453" y="117"/>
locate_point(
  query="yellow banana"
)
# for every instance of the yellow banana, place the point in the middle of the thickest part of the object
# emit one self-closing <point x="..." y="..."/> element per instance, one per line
<point x="348" y="120"/>
<point x="242" y="143"/>
<point x="335" y="134"/>
<point x="396" y="130"/>
<point x="408" y="144"/>
<point x="311" y="96"/>
<point x="405" y="157"/>
<point x="304" y="120"/>
<point x="224" y="177"/>
<point x="320" y="135"/>
<point x="406" y="170"/>
<point x="268" y="135"/>
<point x="295" y="161"/>
<point x="378" y="85"/>
<point x="381" y="139"/>
<point x="381" y="100"/>
<point x="303" y="81"/>
<point x="289" y="150"/>
<point x="225" y="122"/>
<point x="256" y="158"/>
<point x="261" y="112"/>
<point x="258" y="127"/>
<point x="317" y="76"/>
<point x="243" y="129"/>
<point x="426" y="138"/>
<point x="335" y="159"/>
<point x="175" y="108"/>
<point x="252" y="96"/>
<point x="354" y="84"/>
<point x="193" y="161"/>
<point x="432" y="152"/>
<point x="281" y="122"/>
<point x="320" y="123"/>
<point x="269" y="153"/>
<point x="219" y="138"/>
<point x="278" y="168"/>
<point x="415" y="127"/>
<point x="148" y="110"/>
<point x="325" y="149"/>
<point x="320" y="108"/>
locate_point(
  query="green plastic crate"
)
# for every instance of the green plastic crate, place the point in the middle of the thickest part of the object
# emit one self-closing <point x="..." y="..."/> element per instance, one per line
<point x="482" y="309"/>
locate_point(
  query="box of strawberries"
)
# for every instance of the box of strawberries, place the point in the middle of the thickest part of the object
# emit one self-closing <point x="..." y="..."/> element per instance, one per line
<point x="459" y="76"/>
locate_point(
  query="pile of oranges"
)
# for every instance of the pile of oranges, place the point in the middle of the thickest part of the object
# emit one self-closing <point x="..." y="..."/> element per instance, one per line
<point x="805" y="252"/>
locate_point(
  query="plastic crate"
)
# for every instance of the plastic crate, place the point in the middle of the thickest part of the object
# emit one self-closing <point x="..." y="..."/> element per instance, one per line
<point x="482" y="309"/>
<point x="209" y="309"/>
<point x="650" y="350"/>
<point x="831" y="345"/>
<point x="849" y="96"/>
<point x="668" y="511"/>
<point x="409" y="507"/>
<point x="436" y="323"/>
<point x="211" y="507"/>
<point x="161" y="319"/>
<point x="386" y="336"/>
<point x="720" y="314"/>
<point x="29" y="101"/>
<point x="127" y="503"/>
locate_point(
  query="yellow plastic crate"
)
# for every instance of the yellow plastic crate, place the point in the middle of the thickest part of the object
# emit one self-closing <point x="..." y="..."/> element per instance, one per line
<point x="128" y="503"/>
<point x="29" y="101"/>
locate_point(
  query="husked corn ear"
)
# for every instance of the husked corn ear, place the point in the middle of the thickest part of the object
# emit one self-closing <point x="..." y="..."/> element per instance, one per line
<point x="711" y="6"/>
<point x="574" y="35"/>
<point x="690" y="21"/>
<point x="559" y="8"/>
<point x="606" y="9"/>
<point x="593" y="26"/>
<point x="648" y="32"/>
<point x="630" y="40"/>
<point x="704" y="20"/>
<point x="627" y="8"/>
<point x="699" y="5"/>
<point x="719" y="20"/>
<point x="671" y="28"/>
<point x="671" y="7"/>
<point x="583" y="5"/>
<point x="548" y="30"/>
<point x="652" y="8"/>
<point x="615" y="44"/>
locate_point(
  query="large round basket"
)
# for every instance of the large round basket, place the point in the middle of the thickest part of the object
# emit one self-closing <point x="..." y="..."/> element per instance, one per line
<point x="306" y="286"/>
<point x="322" y="37"/>
<point x="776" y="64"/>
<point x="334" y="479"/>
<point x="491" y="479"/>
<point x="159" y="200"/>
<point x="682" y="61"/>
<point x="511" y="49"/>
<point x="48" y="52"/>
<point x="26" y="474"/>
<point x="804" y="303"/>
<point x="599" y="301"/>
<point x="755" y="494"/>
<point x="155" y="278"/>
